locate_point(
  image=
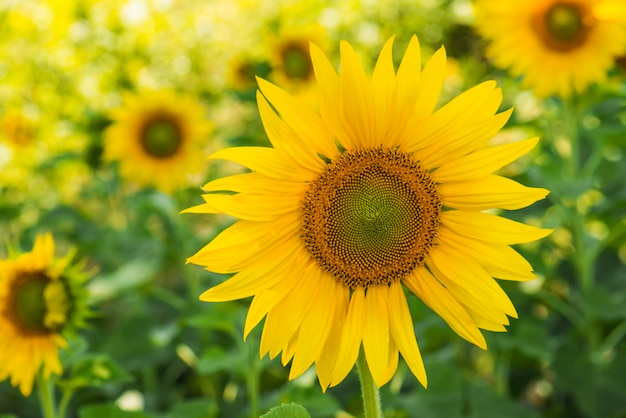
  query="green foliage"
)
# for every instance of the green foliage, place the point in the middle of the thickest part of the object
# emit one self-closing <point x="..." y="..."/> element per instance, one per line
<point x="287" y="411"/>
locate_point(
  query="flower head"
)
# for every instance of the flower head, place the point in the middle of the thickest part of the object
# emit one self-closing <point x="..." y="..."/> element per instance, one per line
<point x="157" y="137"/>
<point x="558" y="46"/>
<point x="42" y="302"/>
<point x="377" y="193"/>
<point x="290" y="59"/>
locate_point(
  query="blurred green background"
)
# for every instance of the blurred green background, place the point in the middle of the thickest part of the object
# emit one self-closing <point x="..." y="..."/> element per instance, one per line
<point x="153" y="349"/>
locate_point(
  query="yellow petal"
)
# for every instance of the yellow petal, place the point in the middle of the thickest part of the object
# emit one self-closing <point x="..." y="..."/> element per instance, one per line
<point x="290" y="350"/>
<point x="311" y="135"/>
<point x="331" y="102"/>
<point x="351" y="337"/>
<point x="403" y="333"/>
<point x="409" y="75"/>
<point x="250" y="281"/>
<point x="392" y="360"/>
<point x="439" y="299"/>
<point x="384" y="94"/>
<point x="461" y="125"/>
<point x="268" y="298"/>
<point x="376" y="333"/>
<point x="358" y="103"/>
<point x="491" y="228"/>
<point x="483" y="323"/>
<point x="267" y="161"/>
<point x="327" y="359"/>
<point x="255" y="183"/>
<point x="459" y="141"/>
<point x="284" y="138"/>
<point x="229" y="252"/>
<point x="466" y="273"/>
<point x="469" y="297"/>
<point x="489" y="192"/>
<point x="316" y="324"/>
<point x="284" y="319"/>
<point x="430" y="84"/>
<point x="483" y="162"/>
<point x="498" y="260"/>
<point x="259" y="208"/>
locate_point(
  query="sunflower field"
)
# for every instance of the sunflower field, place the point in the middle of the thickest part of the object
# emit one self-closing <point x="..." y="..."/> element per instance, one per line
<point x="326" y="209"/>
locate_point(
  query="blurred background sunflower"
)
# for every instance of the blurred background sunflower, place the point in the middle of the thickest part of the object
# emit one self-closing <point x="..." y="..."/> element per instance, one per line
<point x="556" y="46"/>
<point x="42" y="303"/>
<point x="158" y="139"/>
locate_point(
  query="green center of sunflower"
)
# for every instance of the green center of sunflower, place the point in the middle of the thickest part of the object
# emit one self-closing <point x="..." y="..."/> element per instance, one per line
<point x="296" y="61"/>
<point x="38" y="305"/>
<point x="564" y="26"/>
<point x="371" y="217"/>
<point x="161" y="138"/>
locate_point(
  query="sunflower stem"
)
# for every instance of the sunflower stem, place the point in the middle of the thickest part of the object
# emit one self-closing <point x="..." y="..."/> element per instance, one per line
<point x="46" y="396"/>
<point x="584" y="256"/>
<point x="369" y="390"/>
<point x="65" y="400"/>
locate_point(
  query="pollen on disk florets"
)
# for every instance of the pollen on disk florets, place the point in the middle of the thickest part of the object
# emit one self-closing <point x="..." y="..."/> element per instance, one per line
<point x="371" y="217"/>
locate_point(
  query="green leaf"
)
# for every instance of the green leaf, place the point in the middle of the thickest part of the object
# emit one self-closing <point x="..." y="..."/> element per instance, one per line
<point x="597" y="388"/>
<point x="127" y="277"/>
<point x="196" y="408"/>
<point x="288" y="410"/>
<point x="94" y="371"/>
<point x="606" y="305"/>
<point x="443" y="399"/>
<point x="486" y="403"/>
<point x="110" y="411"/>
<point x="216" y="359"/>
<point x="530" y="338"/>
<point x="8" y="416"/>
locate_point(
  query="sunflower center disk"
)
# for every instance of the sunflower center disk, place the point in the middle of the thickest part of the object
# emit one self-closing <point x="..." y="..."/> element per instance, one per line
<point x="28" y="305"/>
<point x="371" y="217"/>
<point x="161" y="138"/>
<point x="296" y="62"/>
<point x="564" y="26"/>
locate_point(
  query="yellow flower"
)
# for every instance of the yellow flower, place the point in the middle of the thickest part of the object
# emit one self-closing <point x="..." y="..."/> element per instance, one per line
<point x="17" y="129"/>
<point x="376" y="193"/>
<point x="157" y="138"/>
<point x="42" y="302"/>
<point x="558" y="46"/>
<point x="243" y="69"/>
<point x="290" y="60"/>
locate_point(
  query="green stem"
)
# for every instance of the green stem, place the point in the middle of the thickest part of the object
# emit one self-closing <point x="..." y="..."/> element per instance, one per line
<point x="252" y="383"/>
<point x="584" y="255"/>
<point x="65" y="400"/>
<point x="369" y="390"/>
<point x="614" y="337"/>
<point x="252" y="376"/>
<point x="570" y="118"/>
<point x="46" y="396"/>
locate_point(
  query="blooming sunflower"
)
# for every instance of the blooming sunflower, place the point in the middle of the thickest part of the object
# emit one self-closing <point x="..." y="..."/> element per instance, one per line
<point x="16" y="129"/>
<point x="290" y="59"/>
<point x="558" y="46"/>
<point x="42" y="301"/>
<point x="157" y="138"/>
<point x="376" y="193"/>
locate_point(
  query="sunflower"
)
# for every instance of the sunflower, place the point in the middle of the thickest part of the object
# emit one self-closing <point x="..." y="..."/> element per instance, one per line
<point x="375" y="194"/>
<point x="290" y="59"/>
<point x="558" y="46"/>
<point x="157" y="138"/>
<point x="42" y="302"/>
<point x="16" y="129"/>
